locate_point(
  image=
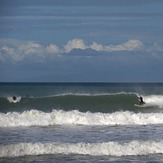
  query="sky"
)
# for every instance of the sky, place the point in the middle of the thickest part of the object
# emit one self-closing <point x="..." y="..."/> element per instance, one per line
<point x="81" y="41"/>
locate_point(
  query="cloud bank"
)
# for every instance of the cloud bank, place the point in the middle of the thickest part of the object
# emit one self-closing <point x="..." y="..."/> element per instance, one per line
<point x="131" y="45"/>
<point x="80" y="44"/>
<point x="16" y="50"/>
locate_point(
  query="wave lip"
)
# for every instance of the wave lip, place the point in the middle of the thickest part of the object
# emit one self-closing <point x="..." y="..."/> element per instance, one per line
<point x="154" y="100"/>
<point x="60" y="117"/>
<point x="93" y="149"/>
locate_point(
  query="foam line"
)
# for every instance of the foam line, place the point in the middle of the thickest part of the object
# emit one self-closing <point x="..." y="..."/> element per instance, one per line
<point x="60" y="117"/>
<point x="93" y="149"/>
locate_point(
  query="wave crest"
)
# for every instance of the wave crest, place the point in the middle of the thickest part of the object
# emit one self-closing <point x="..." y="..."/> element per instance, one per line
<point x="154" y="100"/>
<point x="60" y="117"/>
<point x="94" y="149"/>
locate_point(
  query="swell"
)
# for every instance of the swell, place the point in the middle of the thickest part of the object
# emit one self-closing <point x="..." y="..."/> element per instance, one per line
<point x="93" y="149"/>
<point x="105" y="103"/>
<point x="83" y="102"/>
<point x="60" y="117"/>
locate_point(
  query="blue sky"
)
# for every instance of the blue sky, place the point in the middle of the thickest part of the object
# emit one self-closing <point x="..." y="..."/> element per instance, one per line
<point x="81" y="41"/>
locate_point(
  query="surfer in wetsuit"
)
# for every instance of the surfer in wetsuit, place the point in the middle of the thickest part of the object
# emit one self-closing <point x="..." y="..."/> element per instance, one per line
<point x="14" y="98"/>
<point x="141" y="100"/>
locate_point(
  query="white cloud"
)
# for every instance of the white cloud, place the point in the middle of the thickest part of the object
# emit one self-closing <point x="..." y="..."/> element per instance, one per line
<point x="129" y="46"/>
<point x="9" y="52"/>
<point x="31" y="48"/>
<point x="80" y="44"/>
<point x="16" y="50"/>
<point x="126" y="46"/>
<point x="75" y="44"/>
<point x="53" y="49"/>
<point x="7" y="49"/>
<point x="97" y="47"/>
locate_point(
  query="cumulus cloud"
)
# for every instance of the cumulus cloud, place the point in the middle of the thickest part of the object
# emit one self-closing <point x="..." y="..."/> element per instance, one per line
<point x="126" y="46"/>
<point x="8" y="50"/>
<point x="80" y="44"/>
<point x="17" y="50"/>
<point x="10" y="53"/>
<point x="75" y="44"/>
<point x="53" y="49"/>
<point x="97" y="47"/>
<point x="31" y="48"/>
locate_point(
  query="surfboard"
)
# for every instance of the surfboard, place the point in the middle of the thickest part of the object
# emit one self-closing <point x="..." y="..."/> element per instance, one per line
<point x="138" y="105"/>
<point x="144" y="105"/>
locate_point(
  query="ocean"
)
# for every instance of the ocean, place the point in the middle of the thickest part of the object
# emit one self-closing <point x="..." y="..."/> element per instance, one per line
<point x="81" y="122"/>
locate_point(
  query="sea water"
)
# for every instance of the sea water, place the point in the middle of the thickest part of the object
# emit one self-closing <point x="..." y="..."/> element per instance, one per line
<point x="81" y="122"/>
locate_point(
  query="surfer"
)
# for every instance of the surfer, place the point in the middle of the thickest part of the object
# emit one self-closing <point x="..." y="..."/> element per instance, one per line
<point x="141" y="100"/>
<point x="14" y="98"/>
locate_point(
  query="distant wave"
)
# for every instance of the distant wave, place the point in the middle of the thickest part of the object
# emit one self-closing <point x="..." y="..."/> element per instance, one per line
<point x="73" y="94"/>
<point x="60" y="117"/>
<point x="92" y="94"/>
<point x="94" y="149"/>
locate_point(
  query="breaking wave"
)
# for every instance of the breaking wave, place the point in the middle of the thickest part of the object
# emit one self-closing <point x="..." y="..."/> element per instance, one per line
<point x="94" y="149"/>
<point x="74" y="117"/>
<point x="154" y="100"/>
<point x="105" y="103"/>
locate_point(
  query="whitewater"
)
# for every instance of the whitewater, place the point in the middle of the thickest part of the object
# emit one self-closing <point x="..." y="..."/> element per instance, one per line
<point x="81" y="122"/>
<point x="94" y="149"/>
<point x="60" y="117"/>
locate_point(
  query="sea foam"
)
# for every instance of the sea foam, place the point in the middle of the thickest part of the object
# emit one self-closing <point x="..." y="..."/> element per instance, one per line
<point x="93" y="149"/>
<point x="74" y="117"/>
<point x="154" y="100"/>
